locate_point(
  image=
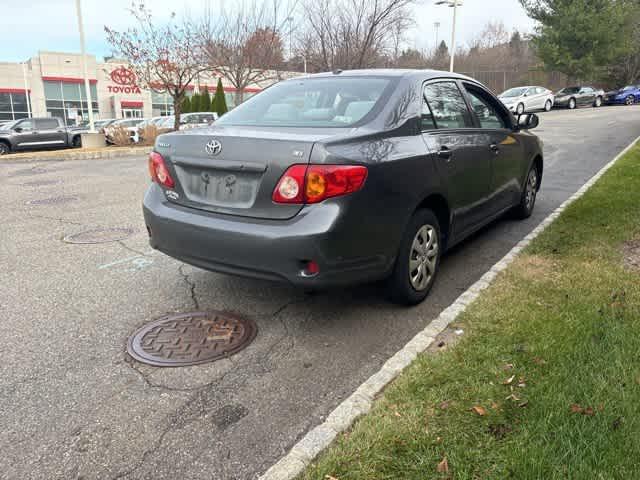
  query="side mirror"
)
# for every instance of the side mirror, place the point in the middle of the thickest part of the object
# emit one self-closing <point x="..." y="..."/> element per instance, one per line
<point x="17" y="129"/>
<point x="528" y="121"/>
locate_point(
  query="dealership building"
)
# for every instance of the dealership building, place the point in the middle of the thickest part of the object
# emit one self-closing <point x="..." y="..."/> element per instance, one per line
<point x="52" y="84"/>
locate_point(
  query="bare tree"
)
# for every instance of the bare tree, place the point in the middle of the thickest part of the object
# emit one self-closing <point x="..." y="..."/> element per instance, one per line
<point x="245" y="45"/>
<point x="165" y="58"/>
<point x="354" y="33"/>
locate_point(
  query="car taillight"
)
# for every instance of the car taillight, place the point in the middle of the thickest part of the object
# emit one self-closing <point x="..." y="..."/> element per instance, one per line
<point x="315" y="183"/>
<point x="158" y="170"/>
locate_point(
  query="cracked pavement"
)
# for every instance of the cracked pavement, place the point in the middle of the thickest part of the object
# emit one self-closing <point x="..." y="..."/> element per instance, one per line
<point x="74" y="405"/>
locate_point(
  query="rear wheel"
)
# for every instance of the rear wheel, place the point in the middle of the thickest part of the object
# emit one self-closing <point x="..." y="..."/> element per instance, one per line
<point x="598" y="102"/>
<point x="547" y="106"/>
<point x="572" y="103"/>
<point x="630" y="100"/>
<point x="418" y="260"/>
<point x="528" y="200"/>
<point x="520" y="109"/>
<point x="4" y="148"/>
<point x="76" y="142"/>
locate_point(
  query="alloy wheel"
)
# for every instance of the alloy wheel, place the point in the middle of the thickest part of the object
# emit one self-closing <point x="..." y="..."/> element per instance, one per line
<point x="520" y="109"/>
<point x="531" y="189"/>
<point x="598" y="102"/>
<point x="572" y="104"/>
<point x="3" y="149"/>
<point x="630" y="100"/>
<point x="423" y="257"/>
<point x="547" y="106"/>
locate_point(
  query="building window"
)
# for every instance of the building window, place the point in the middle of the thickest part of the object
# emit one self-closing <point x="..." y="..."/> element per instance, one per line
<point x="69" y="101"/>
<point x="13" y="106"/>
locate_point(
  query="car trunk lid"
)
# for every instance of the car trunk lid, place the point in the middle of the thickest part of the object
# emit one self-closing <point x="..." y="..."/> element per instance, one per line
<point x="237" y="172"/>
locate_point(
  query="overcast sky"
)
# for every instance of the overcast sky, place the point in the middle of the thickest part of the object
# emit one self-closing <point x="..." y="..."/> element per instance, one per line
<point x="32" y="25"/>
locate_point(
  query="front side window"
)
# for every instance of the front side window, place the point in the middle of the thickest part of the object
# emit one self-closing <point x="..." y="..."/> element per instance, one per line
<point x="447" y="105"/>
<point x="25" y="125"/>
<point x="312" y="102"/>
<point x="486" y="112"/>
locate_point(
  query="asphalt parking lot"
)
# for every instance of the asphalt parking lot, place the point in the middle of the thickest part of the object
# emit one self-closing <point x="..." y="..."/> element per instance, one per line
<point x="74" y="405"/>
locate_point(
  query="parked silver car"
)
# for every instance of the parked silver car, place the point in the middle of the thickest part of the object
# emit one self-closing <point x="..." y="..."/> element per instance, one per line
<point x="526" y="99"/>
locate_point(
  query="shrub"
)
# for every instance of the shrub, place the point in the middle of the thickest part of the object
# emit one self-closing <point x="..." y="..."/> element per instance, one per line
<point x="120" y="136"/>
<point x="148" y="135"/>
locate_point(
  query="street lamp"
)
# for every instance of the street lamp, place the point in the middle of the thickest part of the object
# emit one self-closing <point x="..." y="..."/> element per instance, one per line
<point x="436" y="25"/>
<point x="453" y="4"/>
<point x="84" y="67"/>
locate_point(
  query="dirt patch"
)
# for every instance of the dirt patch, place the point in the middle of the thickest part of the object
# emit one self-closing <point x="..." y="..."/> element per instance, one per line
<point x="534" y="266"/>
<point x="631" y="254"/>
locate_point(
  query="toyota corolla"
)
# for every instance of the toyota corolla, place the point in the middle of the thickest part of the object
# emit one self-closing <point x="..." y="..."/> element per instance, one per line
<point x="342" y="178"/>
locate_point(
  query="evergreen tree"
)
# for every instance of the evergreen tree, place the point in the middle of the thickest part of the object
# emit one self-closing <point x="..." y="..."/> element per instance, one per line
<point x="205" y="100"/>
<point x="195" y="102"/>
<point x="220" y="100"/>
<point x="186" y="105"/>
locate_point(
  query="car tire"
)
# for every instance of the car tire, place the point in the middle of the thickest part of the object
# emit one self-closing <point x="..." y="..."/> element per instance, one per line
<point x="598" y="102"/>
<point x="4" y="148"/>
<point x="630" y="100"/>
<point x="520" y="109"/>
<point x="572" y="103"/>
<point x="529" y="193"/>
<point x="548" y="105"/>
<point x="416" y="266"/>
<point x="76" y="142"/>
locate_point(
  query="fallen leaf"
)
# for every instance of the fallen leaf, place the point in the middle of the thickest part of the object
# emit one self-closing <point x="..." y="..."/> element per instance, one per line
<point x="508" y="366"/>
<point x="443" y="466"/>
<point x="495" y="406"/>
<point x="398" y="414"/>
<point x="575" y="408"/>
<point x="329" y="477"/>
<point x="513" y="397"/>
<point x="438" y="439"/>
<point x="479" y="410"/>
<point x="523" y="404"/>
<point x="509" y="380"/>
<point x="589" y="411"/>
<point x="522" y="385"/>
<point x="444" y="405"/>
<point x="539" y="361"/>
<point x="601" y="407"/>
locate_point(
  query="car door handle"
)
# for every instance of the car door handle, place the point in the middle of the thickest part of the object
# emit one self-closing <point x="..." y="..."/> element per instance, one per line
<point x="445" y="153"/>
<point x="494" y="148"/>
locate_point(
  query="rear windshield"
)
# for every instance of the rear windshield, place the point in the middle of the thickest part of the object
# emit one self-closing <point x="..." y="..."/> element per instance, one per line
<point x="570" y="90"/>
<point x="311" y="102"/>
<point x="514" y="92"/>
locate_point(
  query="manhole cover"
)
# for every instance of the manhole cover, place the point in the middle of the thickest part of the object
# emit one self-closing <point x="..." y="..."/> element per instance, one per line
<point x="191" y="338"/>
<point x="53" y="200"/>
<point x="28" y="171"/>
<point x="41" y="183"/>
<point x="99" y="235"/>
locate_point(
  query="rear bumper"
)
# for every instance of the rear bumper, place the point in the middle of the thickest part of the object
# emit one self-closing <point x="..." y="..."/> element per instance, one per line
<point x="266" y="249"/>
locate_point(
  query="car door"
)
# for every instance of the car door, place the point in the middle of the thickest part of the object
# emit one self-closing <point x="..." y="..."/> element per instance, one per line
<point x="461" y="153"/>
<point x="587" y="96"/>
<point x="24" y="134"/>
<point x="495" y="127"/>
<point x="50" y="132"/>
<point x="541" y="97"/>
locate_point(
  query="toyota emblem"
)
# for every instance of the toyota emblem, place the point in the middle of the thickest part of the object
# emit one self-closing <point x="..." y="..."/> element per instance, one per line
<point x="213" y="147"/>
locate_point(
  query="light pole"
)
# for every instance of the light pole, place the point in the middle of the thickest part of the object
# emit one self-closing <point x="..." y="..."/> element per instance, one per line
<point x="290" y="20"/>
<point x="26" y="89"/>
<point x="453" y="4"/>
<point x="436" y="25"/>
<point x="84" y="68"/>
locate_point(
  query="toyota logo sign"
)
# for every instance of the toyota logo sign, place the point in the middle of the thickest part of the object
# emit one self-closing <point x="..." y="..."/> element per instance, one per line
<point x="213" y="147"/>
<point x="123" y="76"/>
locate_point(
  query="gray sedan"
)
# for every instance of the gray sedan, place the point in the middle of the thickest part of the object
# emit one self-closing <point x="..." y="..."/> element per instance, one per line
<point x="342" y="178"/>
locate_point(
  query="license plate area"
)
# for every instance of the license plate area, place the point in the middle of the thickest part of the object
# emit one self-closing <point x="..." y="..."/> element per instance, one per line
<point x="219" y="187"/>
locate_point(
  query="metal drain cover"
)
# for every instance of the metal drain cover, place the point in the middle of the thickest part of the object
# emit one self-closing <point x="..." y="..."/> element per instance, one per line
<point x="191" y="338"/>
<point x="53" y="200"/>
<point x="99" y="235"/>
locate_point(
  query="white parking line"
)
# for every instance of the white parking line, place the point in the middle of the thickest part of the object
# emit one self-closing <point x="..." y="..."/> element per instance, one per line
<point x="361" y="401"/>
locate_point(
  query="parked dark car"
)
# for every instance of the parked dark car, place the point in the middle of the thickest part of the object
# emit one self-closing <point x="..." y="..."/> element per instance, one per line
<point x="573" y="97"/>
<point x="340" y="178"/>
<point x="38" y="133"/>
<point x="625" y="96"/>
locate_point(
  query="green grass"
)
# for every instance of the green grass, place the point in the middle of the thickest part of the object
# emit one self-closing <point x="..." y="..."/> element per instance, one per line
<point x="565" y="320"/>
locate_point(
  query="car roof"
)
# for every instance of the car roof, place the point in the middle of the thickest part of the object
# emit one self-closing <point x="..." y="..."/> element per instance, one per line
<point x="387" y="72"/>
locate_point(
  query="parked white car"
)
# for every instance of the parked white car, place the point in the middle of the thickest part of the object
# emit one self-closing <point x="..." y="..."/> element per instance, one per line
<point x="131" y="124"/>
<point x="526" y="99"/>
<point x="197" y="119"/>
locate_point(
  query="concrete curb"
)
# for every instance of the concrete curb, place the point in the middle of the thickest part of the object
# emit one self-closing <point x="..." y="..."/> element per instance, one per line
<point x="361" y="401"/>
<point x="67" y="155"/>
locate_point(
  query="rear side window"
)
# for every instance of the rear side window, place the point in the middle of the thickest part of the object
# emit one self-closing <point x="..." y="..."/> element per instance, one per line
<point x="447" y="105"/>
<point x="487" y="112"/>
<point x="47" y="124"/>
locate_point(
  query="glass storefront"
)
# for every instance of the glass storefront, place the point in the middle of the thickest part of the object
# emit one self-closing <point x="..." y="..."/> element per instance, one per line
<point x="69" y="101"/>
<point x="13" y="106"/>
